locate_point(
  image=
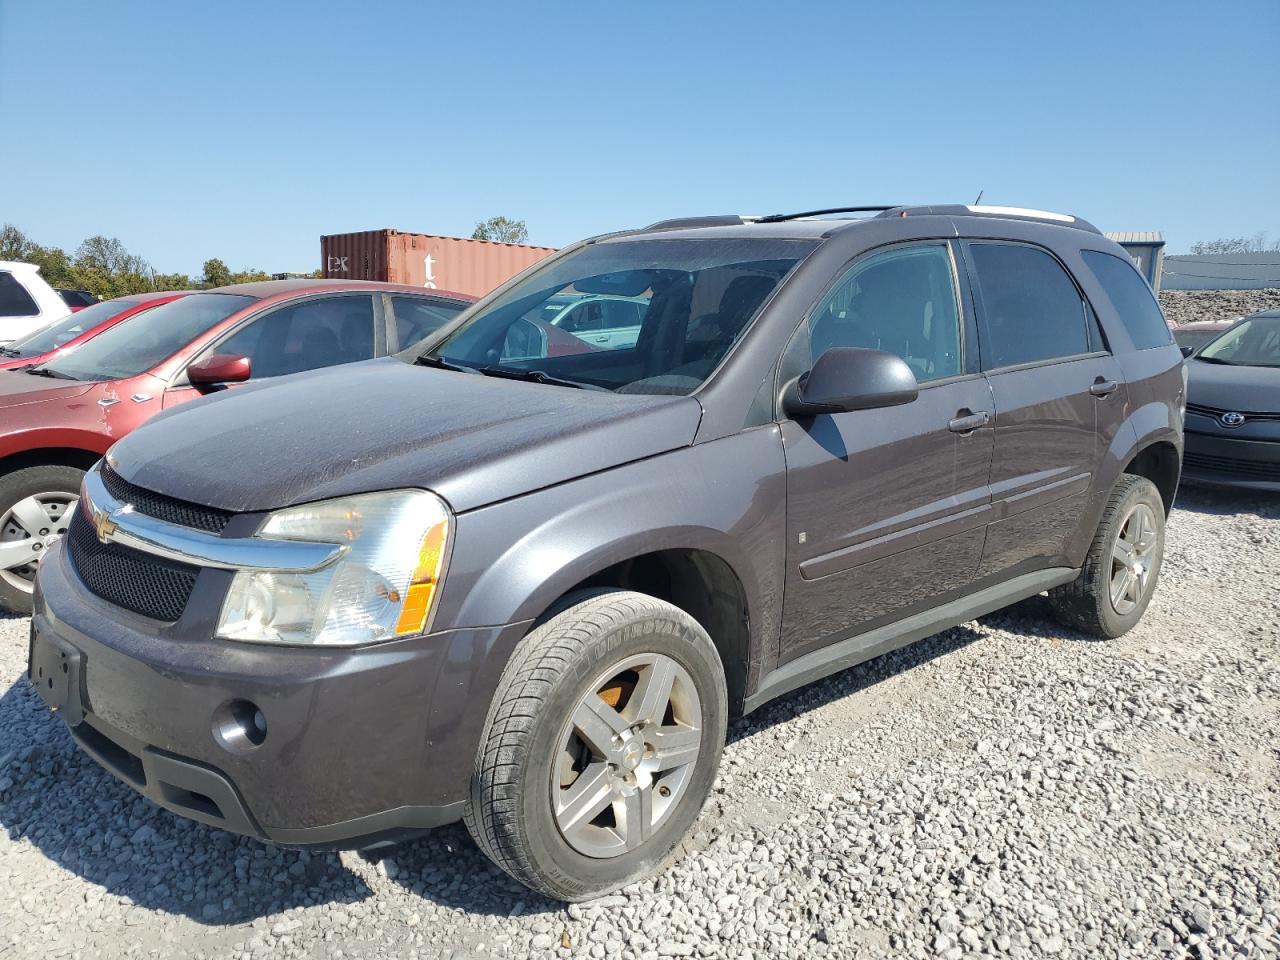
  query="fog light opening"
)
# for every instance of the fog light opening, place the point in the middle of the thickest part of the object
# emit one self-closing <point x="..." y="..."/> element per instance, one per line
<point x="239" y="725"/>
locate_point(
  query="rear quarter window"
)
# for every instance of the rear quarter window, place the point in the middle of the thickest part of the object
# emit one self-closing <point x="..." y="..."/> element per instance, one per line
<point x="1131" y="297"/>
<point x="14" y="299"/>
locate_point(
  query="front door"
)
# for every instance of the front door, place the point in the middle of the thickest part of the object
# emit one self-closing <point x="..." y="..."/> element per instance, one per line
<point x="887" y="509"/>
<point x="319" y="332"/>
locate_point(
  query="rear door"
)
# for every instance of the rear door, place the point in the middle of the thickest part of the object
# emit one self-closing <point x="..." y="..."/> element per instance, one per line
<point x="887" y="509"/>
<point x="411" y="318"/>
<point x="1050" y="373"/>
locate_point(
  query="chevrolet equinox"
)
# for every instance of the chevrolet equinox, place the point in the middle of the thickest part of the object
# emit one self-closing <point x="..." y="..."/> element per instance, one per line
<point x="527" y="588"/>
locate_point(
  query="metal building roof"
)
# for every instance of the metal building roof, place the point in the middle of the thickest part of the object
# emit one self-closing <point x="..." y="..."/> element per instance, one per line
<point x="1136" y="236"/>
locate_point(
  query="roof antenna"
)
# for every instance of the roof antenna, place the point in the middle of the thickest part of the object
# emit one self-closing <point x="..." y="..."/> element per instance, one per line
<point x="979" y="200"/>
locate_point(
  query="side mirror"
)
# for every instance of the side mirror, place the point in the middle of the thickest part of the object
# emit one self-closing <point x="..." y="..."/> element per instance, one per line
<point x="851" y="378"/>
<point x="1187" y="351"/>
<point x="219" y="369"/>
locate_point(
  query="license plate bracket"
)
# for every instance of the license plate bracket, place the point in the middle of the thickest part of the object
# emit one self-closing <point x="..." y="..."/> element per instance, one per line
<point x="55" y="670"/>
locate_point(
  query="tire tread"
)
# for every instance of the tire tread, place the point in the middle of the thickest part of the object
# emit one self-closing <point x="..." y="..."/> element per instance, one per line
<point x="1084" y="602"/>
<point x="493" y="812"/>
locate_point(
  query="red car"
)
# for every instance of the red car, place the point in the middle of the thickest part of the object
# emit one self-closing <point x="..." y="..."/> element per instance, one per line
<point x="58" y="417"/>
<point x="71" y="331"/>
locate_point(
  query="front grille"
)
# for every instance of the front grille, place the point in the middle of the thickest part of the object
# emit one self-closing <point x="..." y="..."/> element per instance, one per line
<point x="162" y="507"/>
<point x="1240" y="469"/>
<point x="137" y="581"/>
<point x="1216" y="412"/>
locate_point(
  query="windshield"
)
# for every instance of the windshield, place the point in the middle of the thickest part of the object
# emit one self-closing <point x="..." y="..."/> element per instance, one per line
<point x="137" y="344"/>
<point x="636" y="316"/>
<point x="1250" y="343"/>
<point x="67" y="329"/>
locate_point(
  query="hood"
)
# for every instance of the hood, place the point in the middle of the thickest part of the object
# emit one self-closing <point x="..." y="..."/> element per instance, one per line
<point x="18" y="388"/>
<point x="384" y="424"/>
<point x="1247" y="389"/>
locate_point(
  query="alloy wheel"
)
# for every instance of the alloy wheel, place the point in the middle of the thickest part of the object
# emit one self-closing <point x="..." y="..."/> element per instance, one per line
<point x="626" y="755"/>
<point x="27" y="530"/>
<point x="1132" y="558"/>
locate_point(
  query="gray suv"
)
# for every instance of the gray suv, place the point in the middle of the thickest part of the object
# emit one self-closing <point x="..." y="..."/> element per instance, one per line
<point x="529" y="592"/>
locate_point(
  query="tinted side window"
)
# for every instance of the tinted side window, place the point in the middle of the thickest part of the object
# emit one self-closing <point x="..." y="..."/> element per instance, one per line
<point x="14" y="299"/>
<point x="1131" y="297"/>
<point x="1031" y="308"/>
<point x="902" y="301"/>
<point x="416" y="317"/>
<point x="311" y="335"/>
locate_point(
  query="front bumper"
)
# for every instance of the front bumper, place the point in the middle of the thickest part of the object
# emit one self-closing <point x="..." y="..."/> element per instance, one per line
<point x="1215" y="460"/>
<point x="362" y="745"/>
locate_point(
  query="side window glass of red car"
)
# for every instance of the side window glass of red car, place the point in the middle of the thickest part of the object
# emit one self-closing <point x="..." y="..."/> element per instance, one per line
<point x="318" y="333"/>
<point x="416" y="317"/>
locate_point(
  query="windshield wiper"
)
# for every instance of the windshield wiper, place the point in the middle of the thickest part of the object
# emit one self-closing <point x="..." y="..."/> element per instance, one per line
<point x="537" y="376"/>
<point x="440" y="363"/>
<point x="48" y="372"/>
<point x="1225" y="363"/>
<point x="10" y="352"/>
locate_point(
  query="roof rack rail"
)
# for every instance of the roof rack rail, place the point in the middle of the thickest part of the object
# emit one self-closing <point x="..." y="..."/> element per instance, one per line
<point x="988" y="210"/>
<point x="779" y="217"/>
<point x="716" y="220"/>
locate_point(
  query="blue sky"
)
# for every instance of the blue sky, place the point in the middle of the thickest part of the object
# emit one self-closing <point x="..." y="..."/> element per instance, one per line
<point x="245" y="130"/>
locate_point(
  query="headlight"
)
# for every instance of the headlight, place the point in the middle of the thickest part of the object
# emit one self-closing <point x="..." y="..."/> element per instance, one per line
<point x="383" y="586"/>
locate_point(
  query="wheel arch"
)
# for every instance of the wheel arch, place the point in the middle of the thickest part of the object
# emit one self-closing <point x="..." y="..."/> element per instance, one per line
<point x="1161" y="463"/>
<point x="698" y="581"/>
<point x="77" y="457"/>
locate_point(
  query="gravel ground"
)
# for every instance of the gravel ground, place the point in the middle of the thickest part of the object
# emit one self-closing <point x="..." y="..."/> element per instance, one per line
<point x="1006" y="788"/>
<point x="1189" y="306"/>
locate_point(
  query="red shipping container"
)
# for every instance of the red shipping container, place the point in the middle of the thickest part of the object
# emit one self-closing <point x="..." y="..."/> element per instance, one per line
<point x="423" y="260"/>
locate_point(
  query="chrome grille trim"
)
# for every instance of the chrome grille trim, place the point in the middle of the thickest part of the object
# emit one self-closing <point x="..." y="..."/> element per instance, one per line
<point x="117" y="522"/>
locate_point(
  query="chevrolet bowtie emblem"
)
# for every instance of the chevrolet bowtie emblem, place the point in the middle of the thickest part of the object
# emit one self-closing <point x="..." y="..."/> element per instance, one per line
<point x="103" y="525"/>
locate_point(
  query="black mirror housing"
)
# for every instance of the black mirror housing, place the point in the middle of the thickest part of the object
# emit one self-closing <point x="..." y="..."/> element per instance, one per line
<point x="851" y="378"/>
<point x="1187" y="351"/>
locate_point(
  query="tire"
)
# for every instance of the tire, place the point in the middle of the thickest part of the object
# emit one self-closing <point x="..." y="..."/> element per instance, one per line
<point x="1087" y="602"/>
<point x="53" y="489"/>
<point x="609" y="650"/>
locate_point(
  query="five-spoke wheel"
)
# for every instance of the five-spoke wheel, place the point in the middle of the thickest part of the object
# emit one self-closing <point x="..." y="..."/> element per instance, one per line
<point x="1131" y="560"/>
<point x="600" y="746"/>
<point x="1122" y="565"/>
<point x="626" y="755"/>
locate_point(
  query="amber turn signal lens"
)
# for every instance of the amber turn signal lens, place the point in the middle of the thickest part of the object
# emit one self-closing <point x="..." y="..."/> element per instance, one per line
<point x="422" y="586"/>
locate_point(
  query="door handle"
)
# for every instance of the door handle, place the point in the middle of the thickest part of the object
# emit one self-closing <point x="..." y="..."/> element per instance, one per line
<point x="969" y="422"/>
<point x="1103" y="388"/>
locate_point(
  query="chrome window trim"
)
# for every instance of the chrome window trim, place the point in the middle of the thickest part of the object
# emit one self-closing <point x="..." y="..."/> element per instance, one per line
<point x="117" y="522"/>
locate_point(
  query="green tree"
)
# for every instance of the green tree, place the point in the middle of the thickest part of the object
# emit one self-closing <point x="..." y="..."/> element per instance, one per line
<point x="216" y="274"/>
<point x="104" y="267"/>
<point x="54" y="264"/>
<point x="108" y="256"/>
<point x="249" y="275"/>
<point x="501" y="230"/>
<point x="172" y="281"/>
<point x="14" y="244"/>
